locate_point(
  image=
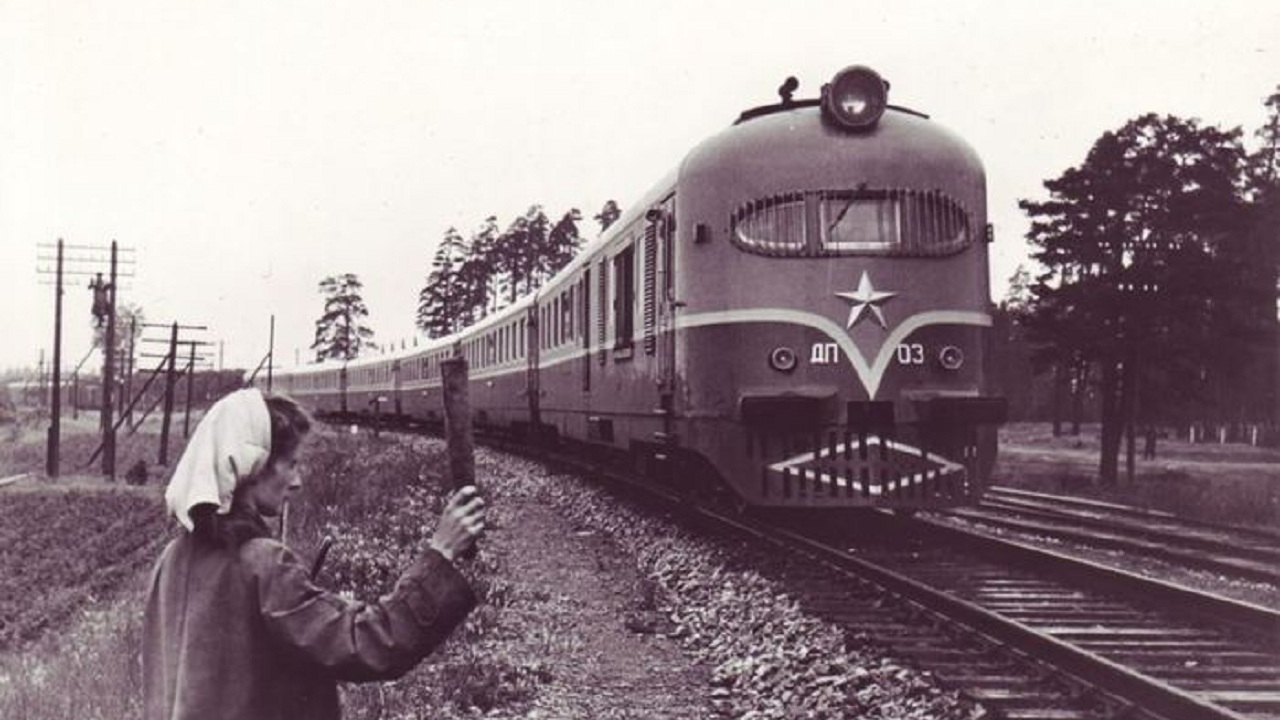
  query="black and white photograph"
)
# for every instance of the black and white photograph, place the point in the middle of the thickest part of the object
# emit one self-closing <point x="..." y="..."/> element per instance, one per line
<point x="576" y="360"/>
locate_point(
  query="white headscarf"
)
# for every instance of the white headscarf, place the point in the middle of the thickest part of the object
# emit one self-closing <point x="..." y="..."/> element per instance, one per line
<point x="231" y="443"/>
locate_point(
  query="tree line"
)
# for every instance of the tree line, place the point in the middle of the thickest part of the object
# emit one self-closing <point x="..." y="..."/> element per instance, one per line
<point x="1156" y="285"/>
<point x="470" y="277"/>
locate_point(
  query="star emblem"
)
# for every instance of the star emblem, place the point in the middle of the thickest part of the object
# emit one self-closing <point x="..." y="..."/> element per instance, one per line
<point x="865" y="298"/>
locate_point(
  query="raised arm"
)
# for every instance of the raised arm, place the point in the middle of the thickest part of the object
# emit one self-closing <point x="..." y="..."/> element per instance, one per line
<point x="352" y="640"/>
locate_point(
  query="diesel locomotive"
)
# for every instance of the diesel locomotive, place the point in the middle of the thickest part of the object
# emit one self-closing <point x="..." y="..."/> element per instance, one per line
<point x="795" y="316"/>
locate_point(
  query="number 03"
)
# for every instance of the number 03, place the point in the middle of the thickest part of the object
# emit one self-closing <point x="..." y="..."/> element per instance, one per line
<point x="910" y="354"/>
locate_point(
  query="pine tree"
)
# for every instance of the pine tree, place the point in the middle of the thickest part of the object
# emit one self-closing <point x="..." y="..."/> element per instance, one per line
<point x="564" y="241"/>
<point x="1265" y="163"/>
<point x="340" y="332"/>
<point x="1130" y="244"/>
<point x="444" y="302"/>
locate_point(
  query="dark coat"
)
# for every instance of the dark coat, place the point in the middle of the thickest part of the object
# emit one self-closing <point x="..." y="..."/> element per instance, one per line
<point x="245" y="634"/>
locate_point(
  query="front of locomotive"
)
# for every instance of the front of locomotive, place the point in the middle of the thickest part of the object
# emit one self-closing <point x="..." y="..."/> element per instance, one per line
<point x="834" y="305"/>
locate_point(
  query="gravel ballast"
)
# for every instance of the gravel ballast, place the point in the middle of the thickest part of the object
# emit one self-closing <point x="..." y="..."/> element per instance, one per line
<point x="767" y="659"/>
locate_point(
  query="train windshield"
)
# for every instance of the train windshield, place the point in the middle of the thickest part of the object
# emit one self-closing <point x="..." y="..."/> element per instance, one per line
<point x="844" y="222"/>
<point x="859" y="221"/>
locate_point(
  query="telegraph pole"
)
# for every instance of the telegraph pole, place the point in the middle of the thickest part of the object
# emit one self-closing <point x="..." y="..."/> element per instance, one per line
<point x="84" y="260"/>
<point x="108" y="376"/>
<point x="55" y="409"/>
<point x="191" y="375"/>
<point x="169" y="380"/>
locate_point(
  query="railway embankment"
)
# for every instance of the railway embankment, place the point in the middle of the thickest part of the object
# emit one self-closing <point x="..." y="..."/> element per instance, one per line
<point x="592" y="608"/>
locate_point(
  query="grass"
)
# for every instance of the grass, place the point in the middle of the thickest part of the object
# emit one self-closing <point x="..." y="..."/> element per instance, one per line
<point x="71" y="648"/>
<point x="73" y="556"/>
<point x="90" y="670"/>
<point x="64" y="548"/>
<point x="378" y="498"/>
<point x="23" y="444"/>
<point x="1228" y="483"/>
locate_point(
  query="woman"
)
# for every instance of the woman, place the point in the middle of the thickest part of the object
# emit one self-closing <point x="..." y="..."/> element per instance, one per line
<point x="234" y="625"/>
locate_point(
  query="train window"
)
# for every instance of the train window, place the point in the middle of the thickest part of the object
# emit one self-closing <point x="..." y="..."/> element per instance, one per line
<point x="585" y="293"/>
<point x="624" y="300"/>
<point x="650" y="287"/>
<point x="566" y="315"/>
<point x="935" y="222"/>
<point x="601" y="317"/>
<point x="850" y="222"/>
<point x="859" y="220"/>
<point x="772" y="225"/>
<point x="557" y="333"/>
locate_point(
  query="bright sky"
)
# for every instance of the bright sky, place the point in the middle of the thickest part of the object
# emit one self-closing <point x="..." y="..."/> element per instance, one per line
<point x="247" y="149"/>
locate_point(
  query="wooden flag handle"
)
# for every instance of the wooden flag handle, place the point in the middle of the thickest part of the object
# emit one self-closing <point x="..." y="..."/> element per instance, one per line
<point x="457" y="423"/>
<point x="457" y="428"/>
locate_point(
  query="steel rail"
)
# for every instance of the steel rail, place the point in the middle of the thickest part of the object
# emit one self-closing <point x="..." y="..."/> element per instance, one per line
<point x="1143" y="691"/>
<point x="1257" y="621"/>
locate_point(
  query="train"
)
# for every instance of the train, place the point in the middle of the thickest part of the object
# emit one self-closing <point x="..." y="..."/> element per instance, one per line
<point x="796" y="316"/>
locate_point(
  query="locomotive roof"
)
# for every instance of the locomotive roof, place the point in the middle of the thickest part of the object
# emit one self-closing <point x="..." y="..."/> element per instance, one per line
<point x="763" y="110"/>
<point x="801" y="150"/>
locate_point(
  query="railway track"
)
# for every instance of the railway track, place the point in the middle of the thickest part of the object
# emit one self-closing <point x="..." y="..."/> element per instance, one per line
<point x="1246" y="553"/>
<point x="1132" y="642"/>
<point x="1030" y="634"/>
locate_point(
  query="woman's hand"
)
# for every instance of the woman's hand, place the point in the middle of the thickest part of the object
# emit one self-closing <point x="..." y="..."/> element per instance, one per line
<point x="460" y="524"/>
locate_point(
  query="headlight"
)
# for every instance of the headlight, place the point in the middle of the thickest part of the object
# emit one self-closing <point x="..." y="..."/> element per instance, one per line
<point x="855" y="98"/>
<point x="783" y="359"/>
<point x="951" y="357"/>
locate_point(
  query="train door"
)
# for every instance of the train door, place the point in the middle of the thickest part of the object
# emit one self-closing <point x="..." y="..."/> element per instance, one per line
<point x="659" y="305"/>
<point x="395" y="387"/>
<point x="584" y="327"/>
<point x="533" y="388"/>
